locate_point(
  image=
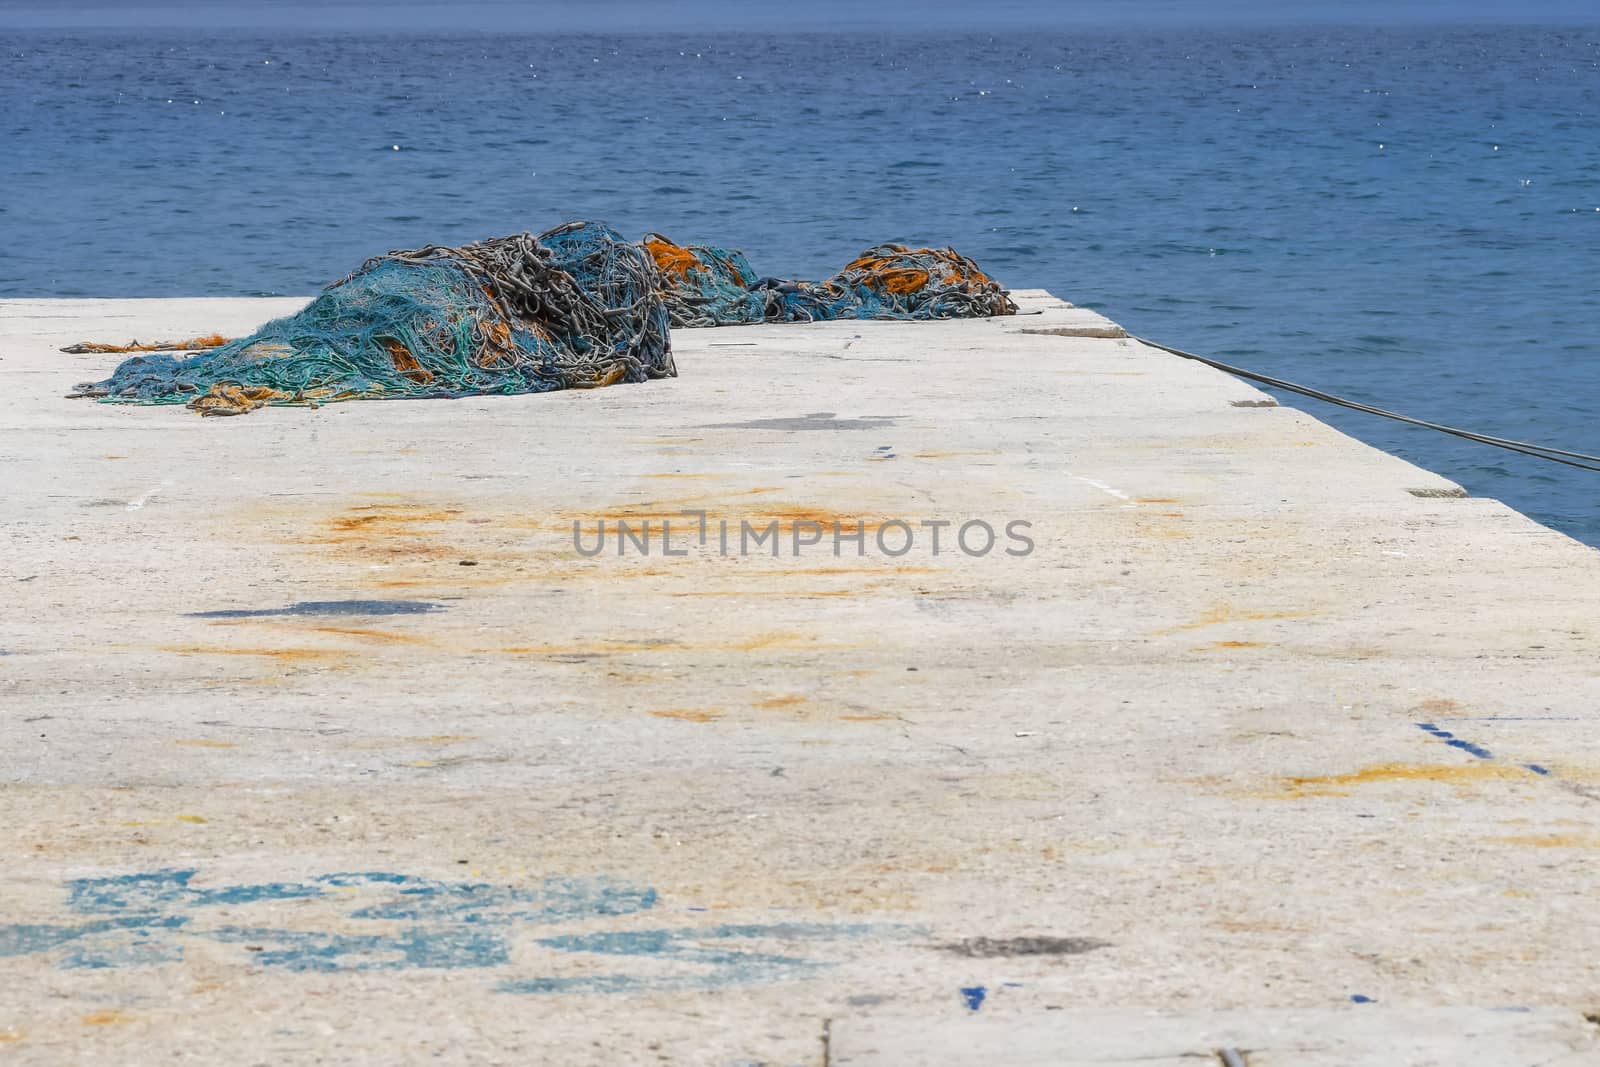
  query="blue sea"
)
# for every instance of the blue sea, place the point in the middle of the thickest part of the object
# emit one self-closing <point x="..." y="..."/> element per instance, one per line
<point x="1409" y="216"/>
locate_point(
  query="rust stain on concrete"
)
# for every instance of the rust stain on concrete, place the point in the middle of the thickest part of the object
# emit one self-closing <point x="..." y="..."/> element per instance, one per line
<point x="716" y="509"/>
<point x="689" y="714"/>
<point x="282" y="655"/>
<point x="376" y="635"/>
<point x="1550" y="840"/>
<point x="1436" y="773"/>
<point x="364" y="518"/>
<point x="1225" y="613"/>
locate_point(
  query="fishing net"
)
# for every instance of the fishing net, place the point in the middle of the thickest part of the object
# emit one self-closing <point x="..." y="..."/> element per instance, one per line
<point x="707" y="286"/>
<point x="575" y="307"/>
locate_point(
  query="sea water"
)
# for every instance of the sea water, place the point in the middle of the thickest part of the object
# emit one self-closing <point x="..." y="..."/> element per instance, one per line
<point x="1410" y="217"/>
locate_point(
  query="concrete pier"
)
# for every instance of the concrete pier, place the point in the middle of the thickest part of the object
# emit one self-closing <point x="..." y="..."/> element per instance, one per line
<point x="325" y="743"/>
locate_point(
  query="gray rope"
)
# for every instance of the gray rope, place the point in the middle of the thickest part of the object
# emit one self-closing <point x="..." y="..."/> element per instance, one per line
<point x="1526" y="448"/>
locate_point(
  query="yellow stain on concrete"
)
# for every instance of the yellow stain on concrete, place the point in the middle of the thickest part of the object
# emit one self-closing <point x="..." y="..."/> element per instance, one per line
<point x="1336" y="785"/>
<point x="106" y="1018"/>
<point x="202" y="742"/>
<point x="193" y="819"/>
<point x="376" y="635"/>
<point x="285" y="655"/>
<point x="1225" y="613"/>
<point x="1550" y="840"/>
<point x="689" y="714"/>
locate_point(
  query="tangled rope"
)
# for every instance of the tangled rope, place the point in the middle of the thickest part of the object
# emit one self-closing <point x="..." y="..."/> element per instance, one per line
<point x="704" y="285"/>
<point x="193" y="344"/>
<point x="572" y="308"/>
<point x="709" y="286"/>
<point x="575" y="307"/>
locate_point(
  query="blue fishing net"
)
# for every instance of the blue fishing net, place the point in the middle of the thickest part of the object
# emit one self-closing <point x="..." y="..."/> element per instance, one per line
<point x="708" y="286"/>
<point x="572" y="308"/>
<point x="575" y="307"/>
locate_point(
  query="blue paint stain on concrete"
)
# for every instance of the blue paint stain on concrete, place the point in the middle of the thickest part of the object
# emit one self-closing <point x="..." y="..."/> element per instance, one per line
<point x="1358" y="998"/>
<point x="148" y="917"/>
<point x="27" y="939"/>
<point x="320" y="951"/>
<point x="1434" y="730"/>
<point x="973" y="995"/>
<point x="724" y="962"/>
<point x="137" y="919"/>
<point x="327" y="607"/>
<point x="136" y="947"/>
<point x="413" y="899"/>
<point x="1455" y="742"/>
<point x="168" y="889"/>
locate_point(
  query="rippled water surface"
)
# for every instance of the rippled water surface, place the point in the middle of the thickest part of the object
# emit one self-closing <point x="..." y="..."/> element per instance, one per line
<point x="1410" y="217"/>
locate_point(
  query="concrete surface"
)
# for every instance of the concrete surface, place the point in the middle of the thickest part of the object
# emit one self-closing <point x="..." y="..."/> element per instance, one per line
<point x="1349" y="1037"/>
<point x="1254" y="726"/>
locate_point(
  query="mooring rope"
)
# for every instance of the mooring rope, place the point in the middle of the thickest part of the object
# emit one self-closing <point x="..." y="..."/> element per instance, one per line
<point x="1581" y="460"/>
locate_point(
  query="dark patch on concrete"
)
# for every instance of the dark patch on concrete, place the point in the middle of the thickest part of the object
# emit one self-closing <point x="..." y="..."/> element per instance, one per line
<point x="1254" y="403"/>
<point x="327" y="607"/>
<point x="995" y="947"/>
<point x="1455" y="492"/>
<point x="815" y="420"/>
